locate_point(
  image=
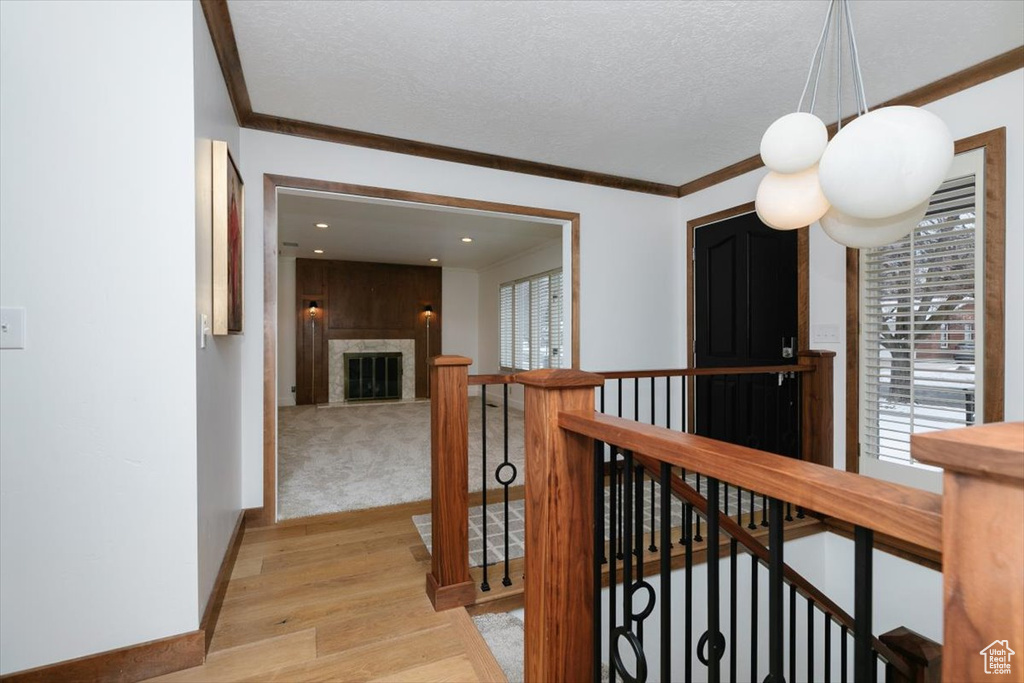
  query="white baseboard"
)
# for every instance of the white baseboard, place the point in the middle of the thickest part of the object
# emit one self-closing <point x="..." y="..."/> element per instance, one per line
<point x="285" y="401"/>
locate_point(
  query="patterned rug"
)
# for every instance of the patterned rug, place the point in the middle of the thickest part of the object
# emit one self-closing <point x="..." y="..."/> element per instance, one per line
<point x="496" y="517"/>
<point x="354" y="457"/>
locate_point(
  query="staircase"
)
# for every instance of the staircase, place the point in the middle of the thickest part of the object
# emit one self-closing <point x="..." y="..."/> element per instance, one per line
<point x="617" y="573"/>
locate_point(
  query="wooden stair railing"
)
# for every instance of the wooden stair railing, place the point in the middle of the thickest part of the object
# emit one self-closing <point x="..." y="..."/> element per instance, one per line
<point x="684" y="491"/>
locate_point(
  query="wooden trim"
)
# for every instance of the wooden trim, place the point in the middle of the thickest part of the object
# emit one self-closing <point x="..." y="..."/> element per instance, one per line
<point x="131" y="663"/>
<point x="271" y="182"/>
<point x="269" y="351"/>
<point x="901" y="511"/>
<point x="222" y="33"/>
<point x="478" y="380"/>
<point x="355" y="138"/>
<point x="993" y="345"/>
<point x="700" y="372"/>
<point x="817" y="433"/>
<point x="480" y="655"/>
<point x="999" y="65"/>
<point x="996" y="451"/>
<point x="923" y="656"/>
<point x="220" y="586"/>
<point x="853" y="360"/>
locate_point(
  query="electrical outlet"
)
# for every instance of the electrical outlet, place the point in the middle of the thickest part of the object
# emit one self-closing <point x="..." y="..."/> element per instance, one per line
<point x="12" y="328"/>
<point x="293" y="388"/>
<point x="825" y="334"/>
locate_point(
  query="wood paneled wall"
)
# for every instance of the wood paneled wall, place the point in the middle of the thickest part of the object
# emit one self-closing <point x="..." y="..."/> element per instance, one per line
<point x="362" y="301"/>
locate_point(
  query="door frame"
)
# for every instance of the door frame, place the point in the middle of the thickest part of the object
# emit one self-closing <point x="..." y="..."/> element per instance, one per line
<point x="802" y="286"/>
<point x="267" y="515"/>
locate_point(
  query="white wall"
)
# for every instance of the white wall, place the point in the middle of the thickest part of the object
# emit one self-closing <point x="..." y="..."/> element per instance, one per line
<point x="994" y="104"/>
<point x="98" y="544"/>
<point x="459" y="314"/>
<point x="630" y="250"/>
<point x="285" y="330"/>
<point x="218" y="365"/>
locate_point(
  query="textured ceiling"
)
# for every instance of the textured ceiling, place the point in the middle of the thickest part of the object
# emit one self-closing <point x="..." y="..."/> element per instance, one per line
<point x="382" y="231"/>
<point x="661" y="91"/>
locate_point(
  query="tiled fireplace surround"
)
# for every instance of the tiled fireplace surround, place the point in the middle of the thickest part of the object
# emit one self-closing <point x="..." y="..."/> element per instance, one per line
<point x="337" y="348"/>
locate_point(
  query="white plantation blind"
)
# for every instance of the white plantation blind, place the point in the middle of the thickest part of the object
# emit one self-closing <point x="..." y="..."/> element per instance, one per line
<point x="531" y="322"/>
<point x="919" y="368"/>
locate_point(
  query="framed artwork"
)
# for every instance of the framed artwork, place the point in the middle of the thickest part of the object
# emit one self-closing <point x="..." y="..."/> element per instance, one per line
<point x="228" y="236"/>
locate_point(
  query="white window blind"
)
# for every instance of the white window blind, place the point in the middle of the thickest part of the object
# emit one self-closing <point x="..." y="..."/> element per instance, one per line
<point x="531" y="322"/>
<point x="919" y="369"/>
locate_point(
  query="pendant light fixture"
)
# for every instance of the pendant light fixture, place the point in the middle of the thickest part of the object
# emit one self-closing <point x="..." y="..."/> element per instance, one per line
<point x="870" y="185"/>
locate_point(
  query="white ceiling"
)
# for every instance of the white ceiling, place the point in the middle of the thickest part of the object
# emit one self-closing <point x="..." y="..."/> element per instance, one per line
<point x="661" y="91"/>
<point x="383" y="231"/>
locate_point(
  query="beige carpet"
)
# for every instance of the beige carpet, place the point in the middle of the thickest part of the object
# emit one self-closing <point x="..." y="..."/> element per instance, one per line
<point x="338" y="458"/>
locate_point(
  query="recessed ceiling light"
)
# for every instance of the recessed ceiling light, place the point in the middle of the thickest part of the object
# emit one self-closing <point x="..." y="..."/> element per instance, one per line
<point x="318" y="251"/>
<point x="321" y="225"/>
<point x="467" y="239"/>
<point x="433" y="260"/>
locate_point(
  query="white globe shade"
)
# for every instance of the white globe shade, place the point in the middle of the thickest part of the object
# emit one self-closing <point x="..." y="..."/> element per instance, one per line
<point x="886" y="162"/>
<point x="793" y="143"/>
<point x="787" y="201"/>
<point x="861" y="233"/>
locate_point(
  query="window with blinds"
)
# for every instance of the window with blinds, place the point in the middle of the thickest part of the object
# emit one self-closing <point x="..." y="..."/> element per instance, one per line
<point x="918" y="316"/>
<point x="531" y="322"/>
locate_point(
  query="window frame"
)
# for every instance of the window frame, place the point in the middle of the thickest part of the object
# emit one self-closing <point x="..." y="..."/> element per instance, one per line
<point x="514" y="286"/>
<point x="991" y="352"/>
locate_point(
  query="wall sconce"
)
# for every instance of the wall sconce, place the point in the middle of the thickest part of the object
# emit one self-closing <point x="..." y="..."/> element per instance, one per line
<point x="312" y="355"/>
<point x="428" y="311"/>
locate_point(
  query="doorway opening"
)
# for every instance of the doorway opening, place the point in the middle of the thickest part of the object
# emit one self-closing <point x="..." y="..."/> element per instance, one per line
<point x="377" y="291"/>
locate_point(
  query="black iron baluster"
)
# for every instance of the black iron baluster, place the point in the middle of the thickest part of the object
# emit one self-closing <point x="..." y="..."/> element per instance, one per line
<point x="764" y="510"/>
<point x="652" y="401"/>
<point x="653" y="547"/>
<point x="619" y="396"/>
<point x="810" y="639"/>
<point x="753" y="617"/>
<point x="696" y="535"/>
<point x="863" y="541"/>
<point x="828" y="648"/>
<point x="874" y="667"/>
<point x="636" y="399"/>
<point x="618" y="512"/>
<point x="739" y="506"/>
<point x="733" y="547"/>
<point x="668" y="402"/>
<point x="714" y="646"/>
<point x="665" y="573"/>
<point x="600" y="394"/>
<point x="789" y="512"/>
<point x="484" y="585"/>
<point x="684" y="531"/>
<point x="688" y="589"/>
<point x="843" y="635"/>
<point x="598" y="553"/>
<point x="751" y="524"/>
<point x="792" y="632"/>
<point x="638" y="548"/>
<point x="775" y="589"/>
<point x="612" y="579"/>
<point x="627" y="563"/>
<point x="505" y="484"/>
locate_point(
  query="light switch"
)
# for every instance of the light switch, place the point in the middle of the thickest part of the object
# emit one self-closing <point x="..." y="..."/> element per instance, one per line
<point x="12" y="328"/>
<point x="825" y="334"/>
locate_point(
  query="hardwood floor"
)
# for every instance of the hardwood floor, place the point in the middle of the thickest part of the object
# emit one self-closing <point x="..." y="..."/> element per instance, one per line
<point x="339" y="598"/>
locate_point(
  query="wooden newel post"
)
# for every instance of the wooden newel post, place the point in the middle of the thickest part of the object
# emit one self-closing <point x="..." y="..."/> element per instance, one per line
<point x="816" y="440"/>
<point x="982" y="548"/>
<point x="922" y="655"/>
<point x="559" y="569"/>
<point x="448" y="583"/>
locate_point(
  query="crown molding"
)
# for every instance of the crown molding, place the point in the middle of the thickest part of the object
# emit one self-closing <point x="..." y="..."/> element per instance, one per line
<point x="218" y="19"/>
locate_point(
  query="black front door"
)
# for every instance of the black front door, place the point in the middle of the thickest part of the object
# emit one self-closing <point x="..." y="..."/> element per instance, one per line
<point x="745" y="310"/>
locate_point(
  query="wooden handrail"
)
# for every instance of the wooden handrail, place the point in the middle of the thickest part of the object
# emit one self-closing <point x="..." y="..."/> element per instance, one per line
<point x="687" y="493"/>
<point x="910" y="514"/>
<point x="703" y="372"/>
<point x="477" y="380"/>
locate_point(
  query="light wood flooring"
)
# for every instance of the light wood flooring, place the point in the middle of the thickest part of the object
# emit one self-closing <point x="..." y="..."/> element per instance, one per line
<point x="339" y="598"/>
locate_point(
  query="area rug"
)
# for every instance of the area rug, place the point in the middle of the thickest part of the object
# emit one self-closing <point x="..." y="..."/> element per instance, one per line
<point x="496" y="518"/>
<point x="334" y="459"/>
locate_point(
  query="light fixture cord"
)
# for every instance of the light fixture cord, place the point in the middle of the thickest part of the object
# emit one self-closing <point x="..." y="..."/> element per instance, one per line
<point x="858" y="77"/>
<point x="839" y="66"/>
<point x="817" y="58"/>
